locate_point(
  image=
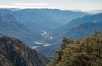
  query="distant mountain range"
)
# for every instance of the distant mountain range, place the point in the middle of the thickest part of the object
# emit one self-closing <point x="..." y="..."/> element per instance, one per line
<point x="35" y="27"/>
<point x="84" y="26"/>
<point x="13" y="52"/>
<point x="43" y="29"/>
<point x="48" y="18"/>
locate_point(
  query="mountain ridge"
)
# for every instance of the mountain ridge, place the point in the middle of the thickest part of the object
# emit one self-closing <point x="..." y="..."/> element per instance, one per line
<point x="19" y="54"/>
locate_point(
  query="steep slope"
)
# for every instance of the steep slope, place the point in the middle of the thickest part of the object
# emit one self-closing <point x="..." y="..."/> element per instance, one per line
<point x="15" y="53"/>
<point x="9" y="26"/>
<point x="83" y="52"/>
<point x="84" y="29"/>
<point x="86" y="25"/>
<point x="86" y="18"/>
<point x="4" y="61"/>
<point x="80" y="27"/>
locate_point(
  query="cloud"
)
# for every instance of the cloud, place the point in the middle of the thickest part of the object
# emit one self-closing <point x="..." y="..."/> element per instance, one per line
<point x="30" y="4"/>
<point x="25" y="5"/>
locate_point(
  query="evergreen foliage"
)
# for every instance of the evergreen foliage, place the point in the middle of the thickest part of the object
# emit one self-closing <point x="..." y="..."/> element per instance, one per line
<point x="83" y="52"/>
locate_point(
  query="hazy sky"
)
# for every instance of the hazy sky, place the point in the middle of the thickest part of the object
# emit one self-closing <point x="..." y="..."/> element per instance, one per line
<point x="59" y="4"/>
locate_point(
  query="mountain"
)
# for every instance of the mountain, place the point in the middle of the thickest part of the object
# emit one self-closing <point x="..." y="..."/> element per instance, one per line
<point x="46" y="18"/>
<point x="40" y="20"/>
<point x="86" y="18"/>
<point x="9" y="26"/>
<point x="80" y="27"/>
<point x="35" y="27"/>
<point x="84" y="29"/>
<point x="85" y="26"/>
<point x="13" y="52"/>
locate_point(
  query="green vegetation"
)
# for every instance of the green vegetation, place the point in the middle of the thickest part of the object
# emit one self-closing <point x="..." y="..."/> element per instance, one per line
<point x="83" y="52"/>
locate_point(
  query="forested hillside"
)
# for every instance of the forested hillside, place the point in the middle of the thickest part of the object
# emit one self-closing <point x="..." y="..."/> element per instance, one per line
<point x="83" y="52"/>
